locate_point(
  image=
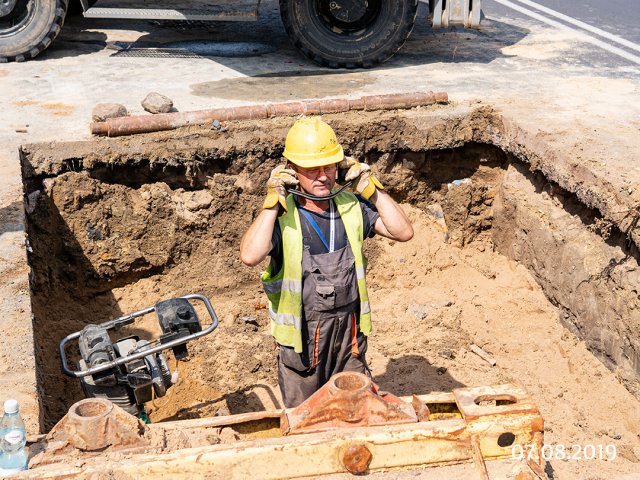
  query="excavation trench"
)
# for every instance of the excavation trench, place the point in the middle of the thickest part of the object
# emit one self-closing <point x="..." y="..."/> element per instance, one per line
<point x="525" y="269"/>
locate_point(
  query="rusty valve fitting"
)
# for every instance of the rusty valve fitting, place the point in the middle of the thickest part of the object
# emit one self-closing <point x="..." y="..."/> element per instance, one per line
<point x="96" y="423"/>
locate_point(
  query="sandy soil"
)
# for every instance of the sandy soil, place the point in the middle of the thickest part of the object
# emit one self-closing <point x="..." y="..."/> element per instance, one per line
<point x="430" y="301"/>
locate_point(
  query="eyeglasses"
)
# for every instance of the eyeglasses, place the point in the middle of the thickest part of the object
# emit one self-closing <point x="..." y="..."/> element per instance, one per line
<point x="315" y="172"/>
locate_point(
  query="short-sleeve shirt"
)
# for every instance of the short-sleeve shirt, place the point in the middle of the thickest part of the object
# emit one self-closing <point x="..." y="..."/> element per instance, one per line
<point x="312" y="241"/>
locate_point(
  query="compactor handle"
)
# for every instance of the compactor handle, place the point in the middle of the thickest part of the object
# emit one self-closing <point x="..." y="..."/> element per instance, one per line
<point x="126" y="320"/>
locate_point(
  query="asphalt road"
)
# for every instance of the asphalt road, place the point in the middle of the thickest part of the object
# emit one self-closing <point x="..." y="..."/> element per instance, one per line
<point x="615" y="23"/>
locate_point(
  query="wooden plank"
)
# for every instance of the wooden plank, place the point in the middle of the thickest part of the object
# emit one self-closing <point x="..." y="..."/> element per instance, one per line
<point x="433" y="397"/>
<point x="209" y="422"/>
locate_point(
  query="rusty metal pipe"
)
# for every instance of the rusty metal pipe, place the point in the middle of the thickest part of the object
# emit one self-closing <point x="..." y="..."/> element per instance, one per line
<point x="115" y="127"/>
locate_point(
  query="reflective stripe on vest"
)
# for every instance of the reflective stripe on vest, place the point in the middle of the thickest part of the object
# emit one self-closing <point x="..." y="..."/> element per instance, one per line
<point x="351" y="214"/>
<point x="284" y="288"/>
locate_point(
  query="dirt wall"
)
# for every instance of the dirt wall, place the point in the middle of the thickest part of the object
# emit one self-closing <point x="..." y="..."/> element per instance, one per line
<point x="194" y="152"/>
<point x="592" y="279"/>
<point x="92" y="238"/>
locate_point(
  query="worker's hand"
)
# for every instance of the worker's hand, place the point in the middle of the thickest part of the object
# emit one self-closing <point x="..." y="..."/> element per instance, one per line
<point x="364" y="181"/>
<point x="281" y="178"/>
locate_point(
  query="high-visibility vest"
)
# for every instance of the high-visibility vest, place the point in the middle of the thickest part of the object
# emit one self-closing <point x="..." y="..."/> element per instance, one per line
<point x="284" y="288"/>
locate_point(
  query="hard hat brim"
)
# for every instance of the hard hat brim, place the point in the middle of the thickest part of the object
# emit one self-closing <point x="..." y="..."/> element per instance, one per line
<point x="314" y="160"/>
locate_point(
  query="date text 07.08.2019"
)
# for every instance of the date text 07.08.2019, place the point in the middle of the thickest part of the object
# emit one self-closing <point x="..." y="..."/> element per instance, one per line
<point x="565" y="452"/>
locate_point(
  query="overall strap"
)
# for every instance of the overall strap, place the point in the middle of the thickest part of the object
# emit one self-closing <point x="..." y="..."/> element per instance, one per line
<point x="330" y="246"/>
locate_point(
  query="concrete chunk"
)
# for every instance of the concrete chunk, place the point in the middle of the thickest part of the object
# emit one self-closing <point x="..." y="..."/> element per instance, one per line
<point x="157" y="103"/>
<point x="102" y="111"/>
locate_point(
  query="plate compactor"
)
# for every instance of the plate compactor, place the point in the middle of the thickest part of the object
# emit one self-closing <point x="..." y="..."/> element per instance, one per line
<point x="130" y="372"/>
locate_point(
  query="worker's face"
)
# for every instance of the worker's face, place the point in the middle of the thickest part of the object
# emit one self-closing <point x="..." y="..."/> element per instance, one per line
<point x="317" y="181"/>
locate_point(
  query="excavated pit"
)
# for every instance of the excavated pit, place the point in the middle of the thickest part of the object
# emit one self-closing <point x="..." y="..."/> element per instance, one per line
<point x="525" y="269"/>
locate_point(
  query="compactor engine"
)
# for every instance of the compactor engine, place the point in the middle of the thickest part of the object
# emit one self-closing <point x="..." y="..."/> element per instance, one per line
<point x="131" y="371"/>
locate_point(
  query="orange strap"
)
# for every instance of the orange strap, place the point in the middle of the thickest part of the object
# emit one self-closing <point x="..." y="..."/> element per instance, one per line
<point x="316" y="342"/>
<point x="354" y="336"/>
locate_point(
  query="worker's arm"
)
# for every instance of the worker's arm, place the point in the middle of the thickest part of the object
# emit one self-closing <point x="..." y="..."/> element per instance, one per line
<point x="392" y="223"/>
<point x="256" y="242"/>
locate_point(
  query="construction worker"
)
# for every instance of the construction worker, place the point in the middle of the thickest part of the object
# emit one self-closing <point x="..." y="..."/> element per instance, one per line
<point x="315" y="281"/>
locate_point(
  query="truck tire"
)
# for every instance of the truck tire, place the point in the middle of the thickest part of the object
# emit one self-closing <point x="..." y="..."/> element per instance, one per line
<point x="348" y="33"/>
<point x="27" y="27"/>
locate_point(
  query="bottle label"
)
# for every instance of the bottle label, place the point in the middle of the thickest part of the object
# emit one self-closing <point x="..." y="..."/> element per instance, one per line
<point x="14" y="437"/>
<point x="10" y="471"/>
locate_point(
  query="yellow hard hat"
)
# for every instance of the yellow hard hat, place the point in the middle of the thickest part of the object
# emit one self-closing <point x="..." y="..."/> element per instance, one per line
<point x="312" y="143"/>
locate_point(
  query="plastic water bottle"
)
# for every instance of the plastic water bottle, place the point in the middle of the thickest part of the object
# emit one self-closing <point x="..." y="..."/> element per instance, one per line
<point x="13" y="438"/>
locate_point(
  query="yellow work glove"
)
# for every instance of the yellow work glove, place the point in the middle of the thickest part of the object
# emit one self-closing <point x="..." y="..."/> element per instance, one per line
<point x="280" y="178"/>
<point x="364" y="181"/>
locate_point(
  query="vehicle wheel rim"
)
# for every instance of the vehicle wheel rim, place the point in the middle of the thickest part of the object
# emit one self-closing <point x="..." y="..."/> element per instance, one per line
<point x="347" y="17"/>
<point x="18" y="18"/>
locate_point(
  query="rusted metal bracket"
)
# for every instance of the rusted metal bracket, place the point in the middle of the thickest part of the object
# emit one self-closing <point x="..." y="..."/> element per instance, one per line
<point x="349" y="399"/>
<point x="477" y="427"/>
<point x="92" y="425"/>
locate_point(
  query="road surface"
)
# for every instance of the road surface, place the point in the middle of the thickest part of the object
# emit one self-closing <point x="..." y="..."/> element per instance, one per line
<point x="613" y="26"/>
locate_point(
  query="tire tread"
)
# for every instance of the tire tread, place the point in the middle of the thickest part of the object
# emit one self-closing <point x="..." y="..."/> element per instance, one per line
<point x="54" y="30"/>
<point x="408" y="22"/>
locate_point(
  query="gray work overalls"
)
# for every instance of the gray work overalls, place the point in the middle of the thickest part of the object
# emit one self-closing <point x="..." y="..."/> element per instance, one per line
<point x="332" y="342"/>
